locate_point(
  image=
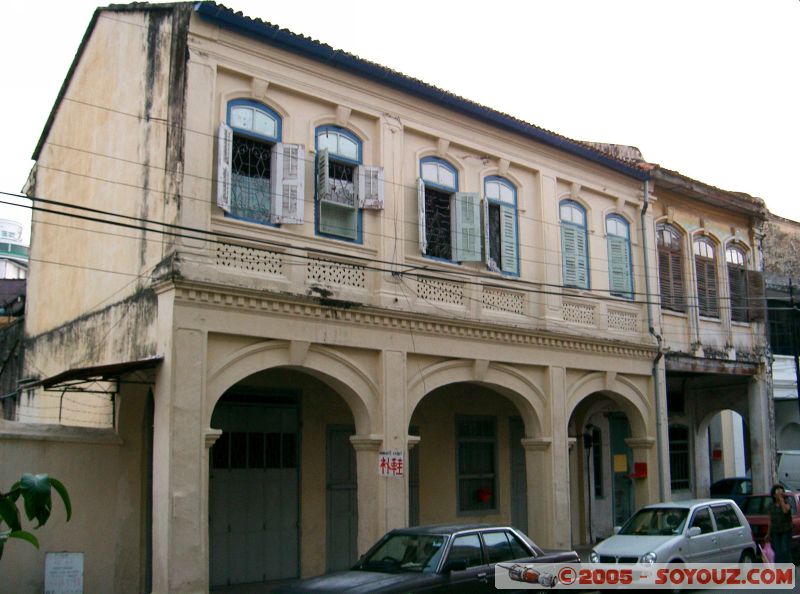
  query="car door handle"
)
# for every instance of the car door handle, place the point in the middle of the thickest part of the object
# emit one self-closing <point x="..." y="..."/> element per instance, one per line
<point x="482" y="577"/>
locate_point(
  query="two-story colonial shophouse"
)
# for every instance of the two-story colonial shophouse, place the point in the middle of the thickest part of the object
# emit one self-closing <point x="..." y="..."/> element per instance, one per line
<point x="294" y="299"/>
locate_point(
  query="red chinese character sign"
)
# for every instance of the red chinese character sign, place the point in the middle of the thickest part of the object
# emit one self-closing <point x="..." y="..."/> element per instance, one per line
<point x="391" y="464"/>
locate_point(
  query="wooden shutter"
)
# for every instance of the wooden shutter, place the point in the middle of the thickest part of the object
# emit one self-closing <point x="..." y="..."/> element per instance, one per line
<point x="707" y="287"/>
<point x="619" y="266"/>
<point x="568" y="255"/>
<point x="323" y="180"/>
<point x="370" y="187"/>
<point x="486" y="247"/>
<point x="224" y="166"/>
<point x="423" y="239"/>
<point x="670" y="276"/>
<point x="756" y="298"/>
<point x="465" y="209"/>
<point x="287" y="171"/>
<point x="508" y="239"/>
<point x="737" y="283"/>
<point x="678" y="286"/>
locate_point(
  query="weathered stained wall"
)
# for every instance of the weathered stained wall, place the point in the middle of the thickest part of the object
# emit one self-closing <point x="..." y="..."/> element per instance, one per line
<point x="109" y="147"/>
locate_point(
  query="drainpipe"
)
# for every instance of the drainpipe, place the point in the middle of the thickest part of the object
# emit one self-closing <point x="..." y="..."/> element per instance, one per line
<point x="654" y="334"/>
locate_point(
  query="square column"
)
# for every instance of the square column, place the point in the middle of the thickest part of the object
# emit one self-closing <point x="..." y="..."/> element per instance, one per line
<point x="762" y="462"/>
<point x="369" y="528"/>
<point x="180" y="473"/>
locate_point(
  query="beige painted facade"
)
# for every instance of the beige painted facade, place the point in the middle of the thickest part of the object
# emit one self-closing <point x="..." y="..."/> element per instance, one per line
<point x="401" y="349"/>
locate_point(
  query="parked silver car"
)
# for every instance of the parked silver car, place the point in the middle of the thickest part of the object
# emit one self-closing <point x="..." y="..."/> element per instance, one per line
<point x="694" y="531"/>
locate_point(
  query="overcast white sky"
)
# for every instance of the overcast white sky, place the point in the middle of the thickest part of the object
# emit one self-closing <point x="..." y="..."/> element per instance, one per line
<point x="710" y="88"/>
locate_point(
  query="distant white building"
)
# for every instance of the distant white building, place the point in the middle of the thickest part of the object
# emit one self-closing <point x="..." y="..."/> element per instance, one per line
<point x="13" y="252"/>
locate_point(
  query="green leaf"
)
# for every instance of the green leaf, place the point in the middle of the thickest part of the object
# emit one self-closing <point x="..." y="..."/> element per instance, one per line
<point x="36" y="494"/>
<point x="62" y="491"/>
<point x="22" y="535"/>
<point x="9" y="513"/>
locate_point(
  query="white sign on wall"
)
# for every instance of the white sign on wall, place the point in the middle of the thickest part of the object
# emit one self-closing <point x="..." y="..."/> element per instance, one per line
<point x="391" y="463"/>
<point x="63" y="573"/>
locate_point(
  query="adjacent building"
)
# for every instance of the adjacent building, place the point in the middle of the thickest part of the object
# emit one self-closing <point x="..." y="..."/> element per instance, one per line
<point x="312" y="299"/>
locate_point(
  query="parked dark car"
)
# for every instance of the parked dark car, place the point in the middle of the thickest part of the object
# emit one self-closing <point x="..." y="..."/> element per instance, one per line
<point x="440" y="558"/>
<point x="755" y="510"/>
<point x="736" y="488"/>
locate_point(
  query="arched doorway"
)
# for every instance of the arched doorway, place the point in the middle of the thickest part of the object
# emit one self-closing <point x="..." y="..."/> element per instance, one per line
<point x="281" y="428"/>
<point x="469" y="464"/>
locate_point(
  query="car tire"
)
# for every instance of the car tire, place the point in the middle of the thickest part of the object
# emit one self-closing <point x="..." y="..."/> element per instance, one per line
<point x="747" y="557"/>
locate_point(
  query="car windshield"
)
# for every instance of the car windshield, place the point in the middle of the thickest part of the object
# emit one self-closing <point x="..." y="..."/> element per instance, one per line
<point x="405" y="552"/>
<point x="756" y="505"/>
<point x="656" y="521"/>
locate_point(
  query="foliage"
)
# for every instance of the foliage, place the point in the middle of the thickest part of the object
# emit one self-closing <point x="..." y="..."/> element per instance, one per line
<point x="35" y="491"/>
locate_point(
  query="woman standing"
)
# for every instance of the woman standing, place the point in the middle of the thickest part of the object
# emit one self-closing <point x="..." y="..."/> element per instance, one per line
<point x="779" y="530"/>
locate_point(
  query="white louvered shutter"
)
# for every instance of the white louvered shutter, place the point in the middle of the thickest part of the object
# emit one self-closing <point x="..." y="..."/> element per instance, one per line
<point x="287" y="171"/>
<point x="370" y="187"/>
<point x="423" y="240"/>
<point x="508" y="237"/>
<point x="467" y="225"/>
<point x="323" y="181"/>
<point x="224" y="166"/>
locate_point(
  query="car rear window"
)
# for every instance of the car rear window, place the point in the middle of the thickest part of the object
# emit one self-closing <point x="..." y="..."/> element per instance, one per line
<point x="725" y="517"/>
<point x="503" y="546"/>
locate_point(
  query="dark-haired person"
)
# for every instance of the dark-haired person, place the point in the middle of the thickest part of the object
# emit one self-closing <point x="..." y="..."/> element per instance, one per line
<point x="779" y="530"/>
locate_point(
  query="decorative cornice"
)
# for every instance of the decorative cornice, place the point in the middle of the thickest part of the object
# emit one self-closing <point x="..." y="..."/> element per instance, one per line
<point x="211" y="436"/>
<point x="536" y="444"/>
<point x="367" y="315"/>
<point x="640" y="442"/>
<point x="366" y="443"/>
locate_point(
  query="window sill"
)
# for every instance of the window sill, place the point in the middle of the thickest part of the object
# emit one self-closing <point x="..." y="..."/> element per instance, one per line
<point x="677" y="314"/>
<point x="709" y="319"/>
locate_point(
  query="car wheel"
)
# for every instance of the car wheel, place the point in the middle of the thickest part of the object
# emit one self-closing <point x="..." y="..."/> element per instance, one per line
<point x="747" y="558"/>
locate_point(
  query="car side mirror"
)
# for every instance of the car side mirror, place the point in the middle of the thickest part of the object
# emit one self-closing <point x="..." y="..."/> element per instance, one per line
<point x="456" y="565"/>
<point x="617" y="529"/>
<point x="694" y="531"/>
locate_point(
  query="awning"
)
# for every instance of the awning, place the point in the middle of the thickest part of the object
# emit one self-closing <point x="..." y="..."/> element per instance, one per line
<point x="80" y="379"/>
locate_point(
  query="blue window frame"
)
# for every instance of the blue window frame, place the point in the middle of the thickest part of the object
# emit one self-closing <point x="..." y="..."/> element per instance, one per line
<point x="256" y="129"/>
<point x="574" y="244"/>
<point x="500" y="220"/>
<point x="620" y="267"/>
<point x="437" y="191"/>
<point x="339" y="156"/>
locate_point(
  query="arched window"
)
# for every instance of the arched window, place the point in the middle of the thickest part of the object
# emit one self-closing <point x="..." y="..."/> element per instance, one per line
<point x="259" y="178"/>
<point x="705" y="265"/>
<point x="620" y="275"/>
<point x="574" y="245"/>
<point x="500" y="220"/>
<point x="737" y="282"/>
<point x="439" y="207"/>
<point x="670" y="268"/>
<point x="338" y="158"/>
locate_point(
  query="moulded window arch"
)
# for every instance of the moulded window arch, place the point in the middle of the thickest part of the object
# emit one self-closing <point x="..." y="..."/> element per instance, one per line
<point x="620" y="267"/>
<point x="574" y="244"/>
<point x="501" y="239"/>
<point x="339" y="155"/>
<point x="670" y="267"/>
<point x="736" y="265"/>
<point x="254" y="119"/>
<point x="705" y="264"/>
<point x="438" y="173"/>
